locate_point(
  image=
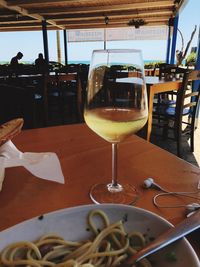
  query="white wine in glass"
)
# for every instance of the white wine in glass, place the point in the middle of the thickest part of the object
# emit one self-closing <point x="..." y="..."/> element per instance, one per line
<point x="115" y="108"/>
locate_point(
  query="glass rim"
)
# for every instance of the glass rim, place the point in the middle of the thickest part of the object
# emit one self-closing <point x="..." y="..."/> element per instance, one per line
<point x="116" y="50"/>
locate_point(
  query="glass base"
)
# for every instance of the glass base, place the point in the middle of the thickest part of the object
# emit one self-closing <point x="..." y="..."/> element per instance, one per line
<point x="107" y="193"/>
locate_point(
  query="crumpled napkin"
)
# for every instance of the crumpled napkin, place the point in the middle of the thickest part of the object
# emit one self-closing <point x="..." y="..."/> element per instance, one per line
<point x="43" y="165"/>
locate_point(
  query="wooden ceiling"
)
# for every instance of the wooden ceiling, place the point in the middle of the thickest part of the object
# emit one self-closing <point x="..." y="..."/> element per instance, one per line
<point x="26" y="15"/>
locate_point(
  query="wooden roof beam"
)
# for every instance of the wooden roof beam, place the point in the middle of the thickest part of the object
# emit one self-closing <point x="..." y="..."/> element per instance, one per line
<point x="114" y="22"/>
<point x="31" y="2"/>
<point x="48" y="2"/>
<point x="115" y="25"/>
<point x="181" y="5"/>
<point x="110" y="14"/>
<point x="24" y="12"/>
<point x="6" y="12"/>
<point x="22" y="24"/>
<point x="105" y="8"/>
<point x="72" y="27"/>
<point x="111" y="20"/>
<point x="82" y="18"/>
<point x="32" y="28"/>
<point x="11" y="20"/>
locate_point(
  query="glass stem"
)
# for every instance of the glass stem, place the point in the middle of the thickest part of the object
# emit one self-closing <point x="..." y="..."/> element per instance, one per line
<point x="114" y="164"/>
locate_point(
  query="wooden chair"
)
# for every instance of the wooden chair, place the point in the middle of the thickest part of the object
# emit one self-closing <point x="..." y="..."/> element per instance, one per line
<point x="63" y="100"/>
<point x="83" y="74"/>
<point x="18" y="102"/>
<point x="169" y="72"/>
<point x="52" y="99"/>
<point x="70" y="84"/>
<point x="69" y="68"/>
<point x="76" y="87"/>
<point x="181" y="116"/>
<point x="72" y="94"/>
<point x="150" y="72"/>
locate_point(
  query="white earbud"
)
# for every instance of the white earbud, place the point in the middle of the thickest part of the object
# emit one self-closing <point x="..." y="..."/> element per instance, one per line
<point x="149" y="183"/>
<point x="190" y="208"/>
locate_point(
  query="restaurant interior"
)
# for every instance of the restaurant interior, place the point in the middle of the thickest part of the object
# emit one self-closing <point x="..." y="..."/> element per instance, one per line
<point x="46" y="109"/>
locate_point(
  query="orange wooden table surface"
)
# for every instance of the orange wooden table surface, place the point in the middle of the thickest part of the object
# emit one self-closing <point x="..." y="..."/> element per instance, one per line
<point x="86" y="159"/>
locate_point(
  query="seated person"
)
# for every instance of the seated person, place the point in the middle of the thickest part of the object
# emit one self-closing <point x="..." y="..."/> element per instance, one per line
<point x="14" y="64"/>
<point x="14" y="61"/>
<point x="40" y="63"/>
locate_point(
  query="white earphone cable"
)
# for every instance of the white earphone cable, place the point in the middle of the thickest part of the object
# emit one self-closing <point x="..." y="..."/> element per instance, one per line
<point x="185" y="194"/>
<point x="148" y="183"/>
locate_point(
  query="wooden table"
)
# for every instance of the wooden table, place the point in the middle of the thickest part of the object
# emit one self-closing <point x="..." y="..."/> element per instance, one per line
<point x="149" y="72"/>
<point x="86" y="159"/>
<point x="155" y="86"/>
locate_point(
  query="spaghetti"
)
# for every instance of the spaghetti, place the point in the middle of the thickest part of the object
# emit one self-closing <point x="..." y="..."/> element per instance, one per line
<point x="108" y="248"/>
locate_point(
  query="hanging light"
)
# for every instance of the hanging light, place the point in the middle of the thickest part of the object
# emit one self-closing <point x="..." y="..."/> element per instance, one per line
<point x="136" y="23"/>
<point x="106" y="19"/>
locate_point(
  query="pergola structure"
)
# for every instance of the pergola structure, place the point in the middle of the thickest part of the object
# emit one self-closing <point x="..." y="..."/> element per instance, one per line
<point x="29" y="15"/>
<point x="21" y="15"/>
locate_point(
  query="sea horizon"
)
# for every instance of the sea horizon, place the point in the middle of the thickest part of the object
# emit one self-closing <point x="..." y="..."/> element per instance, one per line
<point x="147" y="61"/>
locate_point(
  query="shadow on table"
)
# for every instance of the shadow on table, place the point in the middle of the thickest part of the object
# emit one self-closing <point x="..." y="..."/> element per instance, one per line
<point x="170" y="145"/>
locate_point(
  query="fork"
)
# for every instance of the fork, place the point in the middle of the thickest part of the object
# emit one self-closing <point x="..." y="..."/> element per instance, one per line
<point x="171" y="235"/>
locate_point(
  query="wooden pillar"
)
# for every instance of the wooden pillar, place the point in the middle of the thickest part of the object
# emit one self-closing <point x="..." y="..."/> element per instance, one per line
<point x="65" y="46"/>
<point x="106" y="19"/>
<point x="58" y="46"/>
<point x="104" y="46"/>
<point x="168" y="43"/>
<point x="45" y="41"/>
<point x="174" y="38"/>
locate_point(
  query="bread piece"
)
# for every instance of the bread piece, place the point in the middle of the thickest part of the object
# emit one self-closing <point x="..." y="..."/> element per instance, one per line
<point x="2" y="175"/>
<point x="9" y="129"/>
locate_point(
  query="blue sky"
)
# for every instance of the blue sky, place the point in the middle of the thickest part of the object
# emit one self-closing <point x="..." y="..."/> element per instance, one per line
<point x="31" y="43"/>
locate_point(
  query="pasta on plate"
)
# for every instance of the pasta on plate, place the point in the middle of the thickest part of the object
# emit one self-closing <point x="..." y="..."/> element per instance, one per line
<point x="108" y="247"/>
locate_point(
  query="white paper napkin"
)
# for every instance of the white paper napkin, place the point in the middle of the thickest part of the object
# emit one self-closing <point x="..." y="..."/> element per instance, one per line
<point x="43" y="165"/>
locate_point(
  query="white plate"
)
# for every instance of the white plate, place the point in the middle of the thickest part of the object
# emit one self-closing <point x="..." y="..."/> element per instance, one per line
<point x="71" y="224"/>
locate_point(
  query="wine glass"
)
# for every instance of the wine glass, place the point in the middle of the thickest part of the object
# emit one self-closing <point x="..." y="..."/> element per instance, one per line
<point x="115" y="108"/>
